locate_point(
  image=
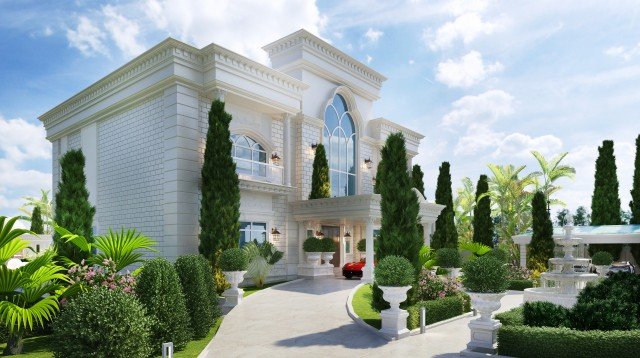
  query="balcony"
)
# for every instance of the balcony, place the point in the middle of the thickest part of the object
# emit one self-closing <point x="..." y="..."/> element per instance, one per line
<point x="261" y="177"/>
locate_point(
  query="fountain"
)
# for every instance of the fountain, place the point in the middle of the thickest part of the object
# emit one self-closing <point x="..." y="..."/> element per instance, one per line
<point x="562" y="283"/>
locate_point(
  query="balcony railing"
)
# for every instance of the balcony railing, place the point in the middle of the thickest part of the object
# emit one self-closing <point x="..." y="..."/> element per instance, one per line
<point x="256" y="171"/>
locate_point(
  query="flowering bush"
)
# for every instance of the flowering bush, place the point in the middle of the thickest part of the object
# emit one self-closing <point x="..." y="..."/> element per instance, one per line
<point x="518" y="273"/>
<point x="104" y="275"/>
<point x="431" y="287"/>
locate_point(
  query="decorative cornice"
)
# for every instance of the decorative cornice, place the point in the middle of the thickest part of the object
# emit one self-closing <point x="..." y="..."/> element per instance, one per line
<point x="264" y="187"/>
<point x="390" y="126"/>
<point x="305" y="38"/>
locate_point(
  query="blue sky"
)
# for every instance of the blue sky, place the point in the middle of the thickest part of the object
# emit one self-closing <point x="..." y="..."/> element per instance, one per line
<point x="485" y="81"/>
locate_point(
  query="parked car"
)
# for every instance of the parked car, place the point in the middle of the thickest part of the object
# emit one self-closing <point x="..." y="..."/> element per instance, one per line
<point x="353" y="269"/>
<point x="621" y="266"/>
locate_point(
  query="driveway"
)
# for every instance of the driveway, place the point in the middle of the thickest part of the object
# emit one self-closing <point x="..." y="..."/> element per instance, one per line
<point x="308" y="318"/>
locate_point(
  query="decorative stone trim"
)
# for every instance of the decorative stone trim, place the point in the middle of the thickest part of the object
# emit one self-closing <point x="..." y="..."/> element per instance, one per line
<point x="264" y="187"/>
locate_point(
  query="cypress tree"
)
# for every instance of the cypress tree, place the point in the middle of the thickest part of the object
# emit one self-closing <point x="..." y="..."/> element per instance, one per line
<point x="542" y="245"/>
<point x="320" y="187"/>
<point x="635" y="189"/>
<point x="37" y="226"/>
<point x="399" y="204"/>
<point x="73" y="210"/>
<point x="482" y="222"/>
<point x="605" y="202"/>
<point x="220" y="203"/>
<point x="445" y="234"/>
<point x="379" y="177"/>
<point x="417" y="176"/>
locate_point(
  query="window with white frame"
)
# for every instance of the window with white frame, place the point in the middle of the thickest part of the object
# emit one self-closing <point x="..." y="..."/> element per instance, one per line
<point x="250" y="231"/>
<point x="249" y="155"/>
<point x="339" y="138"/>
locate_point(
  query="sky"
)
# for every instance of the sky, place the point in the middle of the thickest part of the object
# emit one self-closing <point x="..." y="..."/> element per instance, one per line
<point x="484" y="81"/>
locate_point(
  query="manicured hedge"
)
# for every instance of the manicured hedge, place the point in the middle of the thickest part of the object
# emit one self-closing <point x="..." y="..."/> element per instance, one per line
<point x="513" y="317"/>
<point x="520" y="285"/>
<point x="437" y="310"/>
<point x="196" y="294"/>
<point x="549" y="342"/>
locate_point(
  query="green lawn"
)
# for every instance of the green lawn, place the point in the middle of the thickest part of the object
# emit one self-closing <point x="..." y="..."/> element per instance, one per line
<point x="362" y="306"/>
<point x="194" y="348"/>
<point x="253" y="289"/>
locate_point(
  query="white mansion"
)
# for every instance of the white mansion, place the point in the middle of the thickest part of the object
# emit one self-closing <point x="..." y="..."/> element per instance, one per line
<point x="142" y="130"/>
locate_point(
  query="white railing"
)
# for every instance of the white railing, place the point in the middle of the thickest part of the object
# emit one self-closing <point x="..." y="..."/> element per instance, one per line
<point x="263" y="172"/>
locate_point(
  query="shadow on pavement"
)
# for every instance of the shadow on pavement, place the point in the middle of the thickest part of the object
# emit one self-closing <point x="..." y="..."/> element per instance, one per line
<point x="319" y="287"/>
<point x="349" y="336"/>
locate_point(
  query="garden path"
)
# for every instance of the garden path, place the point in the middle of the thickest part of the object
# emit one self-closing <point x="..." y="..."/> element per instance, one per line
<point x="307" y="318"/>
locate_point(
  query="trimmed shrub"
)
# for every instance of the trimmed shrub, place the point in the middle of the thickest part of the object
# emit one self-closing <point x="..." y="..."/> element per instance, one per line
<point x="448" y="257"/>
<point x="102" y="323"/>
<point x="544" y="314"/>
<point x="394" y="271"/>
<point x="196" y="294"/>
<point x="486" y="274"/>
<point x="606" y="315"/>
<point x="466" y="300"/>
<point x="436" y="311"/>
<point x="328" y="245"/>
<point x="210" y="283"/>
<point x="519" y="285"/>
<point x="602" y="258"/>
<point x="377" y="302"/>
<point x="312" y="244"/>
<point x="500" y="254"/>
<point x="159" y="291"/>
<point x="362" y="245"/>
<point x="234" y="259"/>
<point x="551" y="342"/>
<point x="513" y="317"/>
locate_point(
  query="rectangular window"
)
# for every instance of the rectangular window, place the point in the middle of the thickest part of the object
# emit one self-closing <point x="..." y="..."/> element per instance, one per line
<point x="250" y="231"/>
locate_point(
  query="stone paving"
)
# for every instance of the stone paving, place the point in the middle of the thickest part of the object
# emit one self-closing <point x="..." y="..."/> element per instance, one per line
<point x="308" y="318"/>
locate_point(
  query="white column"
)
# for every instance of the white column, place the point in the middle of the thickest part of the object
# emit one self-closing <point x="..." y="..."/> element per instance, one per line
<point x="367" y="270"/>
<point x="426" y="233"/>
<point x="302" y="235"/>
<point x="523" y="255"/>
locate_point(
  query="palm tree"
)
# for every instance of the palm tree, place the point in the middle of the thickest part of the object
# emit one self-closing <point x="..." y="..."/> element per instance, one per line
<point x="551" y="171"/>
<point x="28" y="294"/>
<point x="46" y="210"/>
<point x="463" y="206"/>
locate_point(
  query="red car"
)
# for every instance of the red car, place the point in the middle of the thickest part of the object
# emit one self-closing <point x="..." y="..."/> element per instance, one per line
<point x="353" y="269"/>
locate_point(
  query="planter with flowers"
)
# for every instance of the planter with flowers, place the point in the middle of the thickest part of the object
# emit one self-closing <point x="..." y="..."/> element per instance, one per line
<point x="394" y="275"/>
<point x="233" y="263"/>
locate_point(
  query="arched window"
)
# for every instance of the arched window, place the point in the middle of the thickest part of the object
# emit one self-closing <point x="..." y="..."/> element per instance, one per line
<point x="249" y="155"/>
<point x="339" y="138"/>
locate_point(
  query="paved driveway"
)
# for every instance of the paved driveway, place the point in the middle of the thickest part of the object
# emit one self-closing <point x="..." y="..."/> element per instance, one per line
<point x="308" y="319"/>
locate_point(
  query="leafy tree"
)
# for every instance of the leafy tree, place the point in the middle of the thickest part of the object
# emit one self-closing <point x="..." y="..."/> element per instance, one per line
<point x="46" y="211"/>
<point x="625" y="217"/>
<point x="551" y="171"/>
<point x="581" y="217"/>
<point x="220" y="203"/>
<point x="320" y="187"/>
<point x="542" y="245"/>
<point x="417" y="177"/>
<point x="482" y="222"/>
<point x="562" y="217"/>
<point x="445" y="234"/>
<point x="605" y="203"/>
<point x="37" y="226"/>
<point x="73" y="210"/>
<point x="634" y="204"/>
<point x="399" y="204"/>
<point x="463" y="205"/>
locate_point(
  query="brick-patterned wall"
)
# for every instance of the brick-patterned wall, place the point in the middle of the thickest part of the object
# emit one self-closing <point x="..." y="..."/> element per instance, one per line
<point x="74" y="141"/>
<point x="306" y="134"/>
<point x="366" y="182"/>
<point x="130" y="170"/>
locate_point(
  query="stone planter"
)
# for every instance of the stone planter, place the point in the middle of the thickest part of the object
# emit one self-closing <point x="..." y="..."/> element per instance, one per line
<point x="233" y="295"/>
<point x="394" y="319"/>
<point x="313" y="258"/>
<point x="484" y="330"/>
<point x="602" y="270"/>
<point x="453" y="272"/>
<point x="327" y="257"/>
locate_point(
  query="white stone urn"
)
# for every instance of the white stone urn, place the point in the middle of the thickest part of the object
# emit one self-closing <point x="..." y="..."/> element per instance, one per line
<point x="394" y="319"/>
<point x="453" y="272"/>
<point x="327" y="257"/>
<point x="313" y="258"/>
<point x="602" y="270"/>
<point x="233" y="296"/>
<point x="484" y="330"/>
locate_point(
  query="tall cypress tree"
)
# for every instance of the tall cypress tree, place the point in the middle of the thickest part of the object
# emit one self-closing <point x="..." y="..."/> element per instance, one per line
<point x="635" y="190"/>
<point x="482" y="222"/>
<point x="417" y="176"/>
<point x="399" y="204"/>
<point x="320" y="187"/>
<point x="445" y="234"/>
<point x="73" y="210"/>
<point x="542" y="245"/>
<point x="605" y="203"/>
<point x="220" y="203"/>
<point x="379" y="177"/>
<point x="37" y="226"/>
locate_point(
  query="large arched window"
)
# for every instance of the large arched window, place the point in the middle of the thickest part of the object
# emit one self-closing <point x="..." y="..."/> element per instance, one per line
<point x="249" y="155"/>
<point x="339" y="138"/>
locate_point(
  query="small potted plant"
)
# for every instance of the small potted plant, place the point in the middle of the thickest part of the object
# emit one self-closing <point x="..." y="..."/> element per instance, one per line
<point x="328" y="248"/>
<point x="313" y="247"/>
<point x="602" y="261"/>
<point x="362" y="245"/>
<point x="394" y="275"/>
<point x="449" y="259"/>
<point x="485" y="280"/>
<point x="233" y="263"/>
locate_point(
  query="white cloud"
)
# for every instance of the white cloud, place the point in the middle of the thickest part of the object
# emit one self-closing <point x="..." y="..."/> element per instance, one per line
<point x="124" y="32"/>
<point x="22" y="140"/>
<point x="411" y="62"/>
<point x="87" y="38"/>
<point x="467" y="71"/>
<point x="459" y="7"/>
<point x="521" y="145"/>
<point x="623" y="52"/>
<point x="373" y="36"/>
<point x="369" y="59"/>
<point x="47" y="31"/>
<point x="484" y="108"/>
<point x="465" y="27"/>
<point x="479" y="136"/>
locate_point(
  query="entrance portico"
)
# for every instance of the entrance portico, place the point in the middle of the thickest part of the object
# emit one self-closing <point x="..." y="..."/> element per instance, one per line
<point x="359" y="215"/>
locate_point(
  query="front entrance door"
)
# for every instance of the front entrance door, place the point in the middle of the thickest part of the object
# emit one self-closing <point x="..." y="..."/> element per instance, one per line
<point x="334" y="233"/>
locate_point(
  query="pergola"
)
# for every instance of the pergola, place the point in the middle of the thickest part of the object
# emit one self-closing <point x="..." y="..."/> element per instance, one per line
<point x="604" y="234"/>
<point x="363" y="210"/>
